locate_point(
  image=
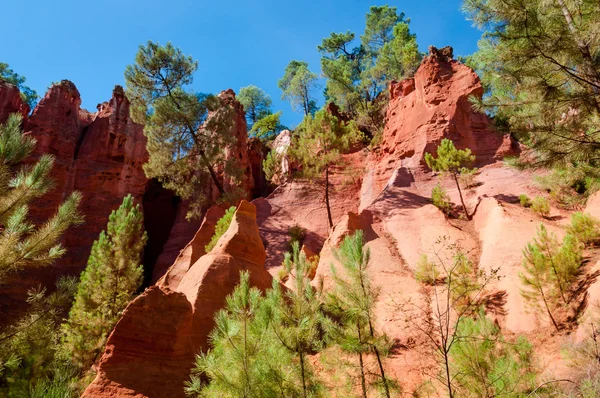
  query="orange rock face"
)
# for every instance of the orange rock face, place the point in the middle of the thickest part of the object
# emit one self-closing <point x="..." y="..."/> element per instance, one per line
<point x="151" y="350"/>
<point x="99" y="154"/>
<point x="423" y="110"/>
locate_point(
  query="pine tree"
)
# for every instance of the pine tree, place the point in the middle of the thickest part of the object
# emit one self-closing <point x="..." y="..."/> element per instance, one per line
<point x="538" y="61"/>
<point x="296" y="318"/>
<point x="320" y="141"/>
<point x="297" y="85"/>
<point x="113" y="274"/>
<point x="29" y="348"/>
<point x="23" y="244"/>
<point x="453" y="161"/>
<point x="257" y="103"/>
<point x="446" y="306"/>
<point x="357" y="75"/>
<point x="484" y="364"/>
<point x="186" y="147"/>
<point x="550" y="271"/>
<point x="245" y="360"/>
<point x="353" y="303"/>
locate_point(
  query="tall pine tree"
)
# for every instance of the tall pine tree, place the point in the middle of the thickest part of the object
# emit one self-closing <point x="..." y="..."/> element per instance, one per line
<point x="113" y="274"/>
<point x="353" y="303"/>
<point x="297" y="318"/>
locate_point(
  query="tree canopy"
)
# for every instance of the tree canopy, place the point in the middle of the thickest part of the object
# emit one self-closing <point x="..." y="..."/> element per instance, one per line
<point x="539" y="63"/>
<point x="186" y="147"/>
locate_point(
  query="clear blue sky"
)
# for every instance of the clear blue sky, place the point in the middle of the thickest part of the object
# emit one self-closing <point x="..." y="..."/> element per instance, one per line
<point x="237" y="42"/>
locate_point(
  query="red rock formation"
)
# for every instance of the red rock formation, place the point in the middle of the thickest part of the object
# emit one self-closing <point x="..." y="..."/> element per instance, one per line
<point x="435" y="105"/>
<point x="11" y="101"/>
<point x="151" y="350"/>
<point x="239" y="150"/>
<point x="100" y="155"/>
<point x="427" y="108"/>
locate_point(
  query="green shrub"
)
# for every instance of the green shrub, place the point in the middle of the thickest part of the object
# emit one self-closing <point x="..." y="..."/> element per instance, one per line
<point x="541" y="206"/>
<point x="585" y="228"/>
<point x="220" y="228"/>
<point x="440" y="199"/>
<point x="426" y="271"/>
<point x="572" y="185"/>
<point x="524" y="200"/>
<point x="297" y="234"/>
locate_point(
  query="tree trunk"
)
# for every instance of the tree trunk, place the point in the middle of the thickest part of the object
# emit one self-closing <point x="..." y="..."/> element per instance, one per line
<point x="212" y="172"/>
<point x="448" y="378"/>
<point x="303" y="374"/>
<point x="327" y="197"/>
<point x="462" y="201"/>
<point x="363" y="381"/>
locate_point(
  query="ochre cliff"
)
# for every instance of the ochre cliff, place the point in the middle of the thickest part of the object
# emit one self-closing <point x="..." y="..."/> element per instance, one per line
<point x="152" y="348"/>
<point x="98" y="154"/>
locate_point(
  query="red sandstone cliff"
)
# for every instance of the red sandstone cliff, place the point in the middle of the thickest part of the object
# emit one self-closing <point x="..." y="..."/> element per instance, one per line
<point x="99" y="154"/>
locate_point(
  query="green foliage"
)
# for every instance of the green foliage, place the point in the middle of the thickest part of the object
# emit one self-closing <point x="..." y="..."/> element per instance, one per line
<point x="220" y="228"/>
<point x="185" y="146"/>
<point x="296" y="320"/>
<point x="297" y="235"/>
<point x="453" y="161"/>
<point x="27" y="94"/>
<point x="449" y="159"/>
<point x="484" y="364"/>
<point x="538" y="61"/>
<point x="268" y="127"/>
<point x="320" y="140"/>
<point x="426" y="271"/>
<point x="440" y="199"/>
<point x="584" y="228"/>
<point x="113" y="274"/>
<point x="29" y="348"/>
<point x="246" y="359"/>
<point x="524" y="200"/>
<point x="571" y="186"/>
<point x="550" y="271"/>
<point x="256" y="102"/>
<point x="23" y="244"/>
<point x="356" y="76"/>
<point x="352" y="303"/>
<point x="541" y="206"/>
<point x="272" y="167"/>
<point x="297" y="85"/>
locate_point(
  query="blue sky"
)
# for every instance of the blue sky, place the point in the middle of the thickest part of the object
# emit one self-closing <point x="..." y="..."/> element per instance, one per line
<point x="236" y="42"/>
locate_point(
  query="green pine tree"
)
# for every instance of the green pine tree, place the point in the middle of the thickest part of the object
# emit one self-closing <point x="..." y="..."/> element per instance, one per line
<point x="23" y="244"/>
<point x="320" y="140"/>
<point x="29" y="347"/>
<point x="296" y="318"/>
<point x="245" y="360"/>
<point x="353" y="304"/>
<point x="186" y="147"/>
<point x="550" y="271"/>
<point x="453" y="161"/>
<point x="297" y="85"/>
<point x="257" y="104"/>
<point x="113" y="274"/>
<point x="485" y="364"/>
<point x="357" y="75"/>
<point x="539" y="63"/>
